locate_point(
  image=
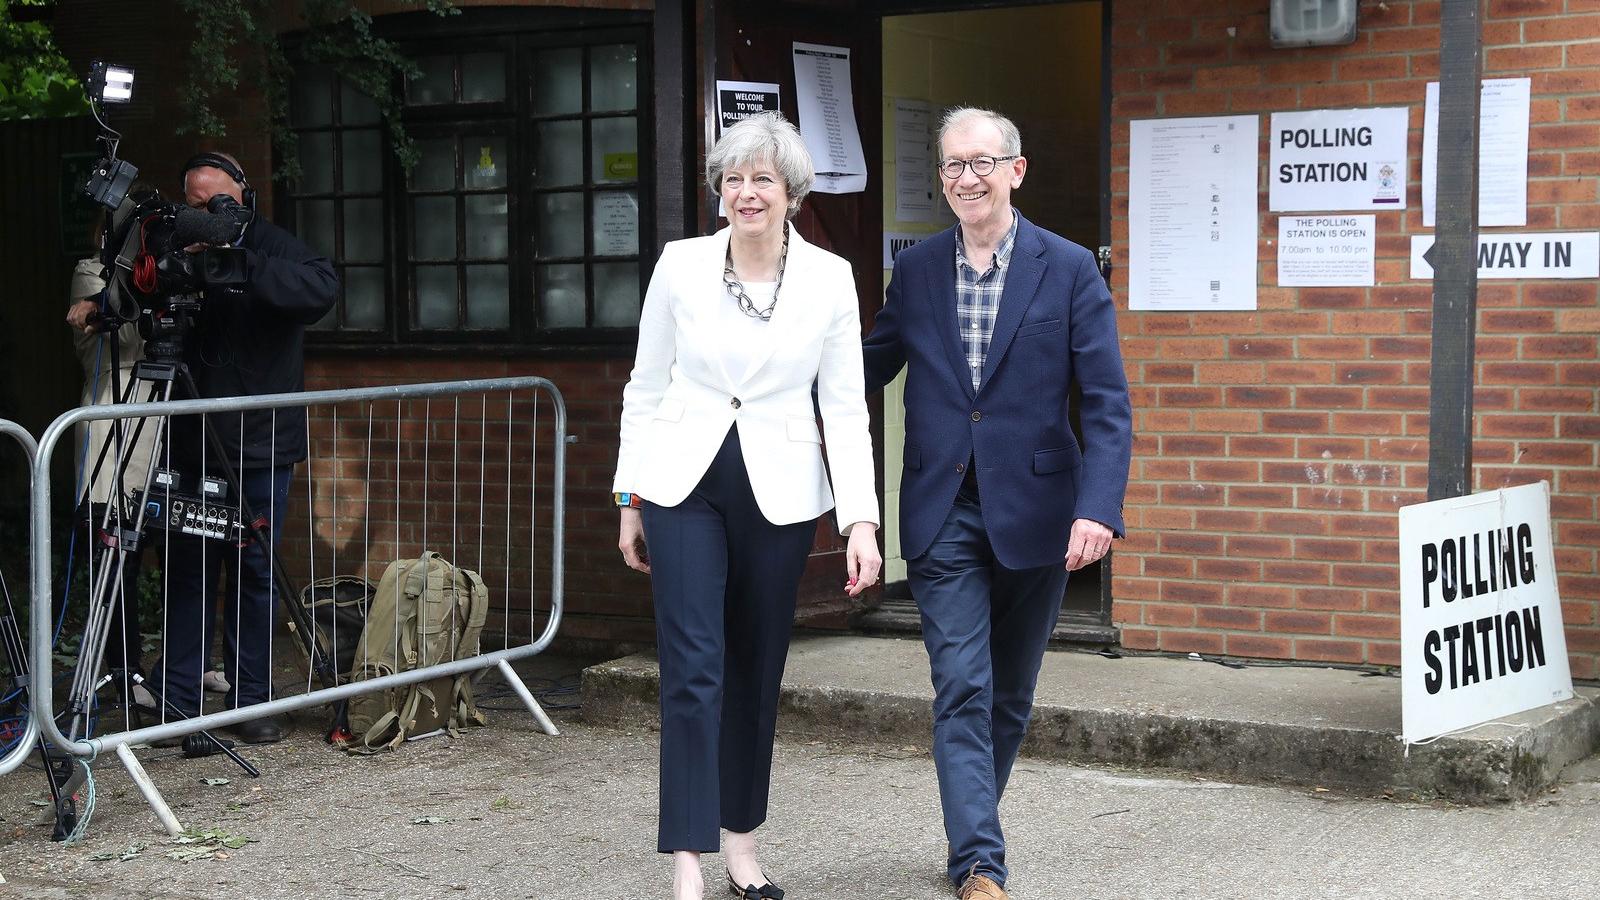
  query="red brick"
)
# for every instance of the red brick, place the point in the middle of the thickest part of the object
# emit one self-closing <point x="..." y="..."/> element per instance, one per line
<point x="1194" y="444"/>
<point x="1227" y="520"/>
<point x="1377" y="627"/>
<point x="1258" y="396"/>
<point x="1260" y="546"/>
<point x="1517" y="426"/>
<point x="1190" y="396"/>
<point x="1575" y="346"/>
<point x="1520" y="59"/>
<point x="1329" y="651"/>
<point x="1294" y="422"/>
<point x="1555" y="399"/>
<point x="1348" y="575"/>
<point x="1295" y="572"/>
<point x="1260" y="445"/>
<point x="1171" y="373"/>
<point x="1228" y="617"/>
<point x="1260" y="495"/>
<point x="1191" y="592"/>
<point x="1327" y="598"/>
<point x="1297" y="622"/>
<point x="1258" y="646"/>
<point x="1191" y="642"/>
<point x="1168" y="615"/>
<point x="1545" y="136"/>
<point x="1561" y="28"/>
<point x="1226" y="470"/>
<point x="1294" y="523"/>
<point x="1168" y="567"/>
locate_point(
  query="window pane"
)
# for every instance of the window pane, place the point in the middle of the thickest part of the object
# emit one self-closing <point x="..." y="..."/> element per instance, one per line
<point x="616" y="295"/>
<point x="488" y="297"/>
<point x="316" y="163"/>
<point x="436" y="169"/>
<point x="433" y="222"/>
<point x="560" y="296"/>
<point x="616" y="223"/>
<point x="436" y="296"/>
<point x="363" y="297"/>
<point x="487" y="231"/>
<point x="436" y="83"/>
<point x="560" y="228"/>
<point x="356" y="108"/>
<point x="612" y="77"/>
<point x="363" y="231"/>
<point x="314" y="222"/>
<point x="311" y="102"/>
<point x="483" y="77"/>
<point x="559" y="158"/>
<point x="558" y="82"/>
<point x="486" y="161"/>
<point x="362" y="164"/>
<point x="615" y="150"/>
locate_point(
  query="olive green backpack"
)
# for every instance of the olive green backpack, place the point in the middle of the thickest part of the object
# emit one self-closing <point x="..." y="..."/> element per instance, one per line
<point x="425" y="611"/>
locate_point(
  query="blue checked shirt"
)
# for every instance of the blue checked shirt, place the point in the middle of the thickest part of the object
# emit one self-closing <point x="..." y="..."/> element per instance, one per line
<point x="978" y="299"/>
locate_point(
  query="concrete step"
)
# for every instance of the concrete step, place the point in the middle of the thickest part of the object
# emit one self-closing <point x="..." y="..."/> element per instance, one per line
<point x="1298" y="725"/>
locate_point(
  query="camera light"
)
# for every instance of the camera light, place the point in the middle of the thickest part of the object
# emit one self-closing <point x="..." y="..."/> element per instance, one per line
<point x="110" y="83"/>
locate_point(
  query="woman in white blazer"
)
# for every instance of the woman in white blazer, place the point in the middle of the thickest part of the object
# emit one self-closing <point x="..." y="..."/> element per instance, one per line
<point x="721" y="476"/>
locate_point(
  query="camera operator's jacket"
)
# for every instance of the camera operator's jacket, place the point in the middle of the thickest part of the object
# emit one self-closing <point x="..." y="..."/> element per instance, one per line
<point x="250" y="340"/>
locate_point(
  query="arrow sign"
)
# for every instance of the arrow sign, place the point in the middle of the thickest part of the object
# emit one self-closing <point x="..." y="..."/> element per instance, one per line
<point x="1555" y="254"/>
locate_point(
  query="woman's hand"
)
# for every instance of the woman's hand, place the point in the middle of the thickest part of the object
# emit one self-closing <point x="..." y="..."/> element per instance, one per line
<point x="630" y="540"/>
<point x="862" y="561"/>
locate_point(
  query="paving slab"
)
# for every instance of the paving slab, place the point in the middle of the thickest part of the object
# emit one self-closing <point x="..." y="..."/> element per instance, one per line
<point x="1291" y="724"/>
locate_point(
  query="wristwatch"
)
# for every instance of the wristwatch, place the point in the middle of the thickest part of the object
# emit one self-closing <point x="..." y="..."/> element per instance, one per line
<point x="626" y="499"/>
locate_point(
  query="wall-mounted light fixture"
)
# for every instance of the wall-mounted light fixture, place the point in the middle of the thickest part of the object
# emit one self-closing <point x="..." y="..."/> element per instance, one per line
<point x="1312" y="23"/>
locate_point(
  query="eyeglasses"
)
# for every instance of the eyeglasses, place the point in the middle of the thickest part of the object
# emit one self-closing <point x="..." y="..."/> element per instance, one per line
<point x="981" y="165"/>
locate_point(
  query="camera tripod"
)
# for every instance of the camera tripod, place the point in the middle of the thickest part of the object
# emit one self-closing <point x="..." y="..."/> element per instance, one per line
<point x="121" y="528"/>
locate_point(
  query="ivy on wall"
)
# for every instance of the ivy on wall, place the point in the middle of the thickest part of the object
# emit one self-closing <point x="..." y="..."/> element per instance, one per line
<point x="36" y="82"/>
<point x="235" y="39"/>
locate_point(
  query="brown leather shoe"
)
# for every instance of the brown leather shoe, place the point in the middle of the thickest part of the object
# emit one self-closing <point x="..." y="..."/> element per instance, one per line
<point x="981" y="887"/>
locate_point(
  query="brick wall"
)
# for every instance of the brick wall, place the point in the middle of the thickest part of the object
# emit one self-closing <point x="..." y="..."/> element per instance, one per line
<point x="1274" y="447"/>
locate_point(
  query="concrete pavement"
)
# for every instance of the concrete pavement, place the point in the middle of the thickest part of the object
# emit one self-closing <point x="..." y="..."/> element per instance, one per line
<point x="506" y="812"/>
<point x="1301" y="725"/>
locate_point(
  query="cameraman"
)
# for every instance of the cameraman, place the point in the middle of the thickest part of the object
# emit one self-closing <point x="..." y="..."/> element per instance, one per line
<point x="248" y="339"/>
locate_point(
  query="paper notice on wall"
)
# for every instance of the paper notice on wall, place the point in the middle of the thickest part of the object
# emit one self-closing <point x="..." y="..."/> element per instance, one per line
<point x="1338" y="159"/>
<point x="1326" y="251"/>
<point x="738" y="100"/>
<point x="916" y="193"/>
<point x="828" y="118"/>
<point x="1503" y="115"/>
<point x="1192" y="213"/>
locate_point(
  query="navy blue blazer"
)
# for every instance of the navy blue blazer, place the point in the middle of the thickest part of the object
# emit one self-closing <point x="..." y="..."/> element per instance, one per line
<point x="1056" y="325"/>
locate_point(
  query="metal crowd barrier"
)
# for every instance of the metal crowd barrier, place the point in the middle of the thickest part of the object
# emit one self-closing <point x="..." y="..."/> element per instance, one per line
<point x="28" y="740"/>
<point x="383" y="481"/>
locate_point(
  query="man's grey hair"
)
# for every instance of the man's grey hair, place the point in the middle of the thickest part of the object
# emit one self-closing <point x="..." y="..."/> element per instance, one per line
<point x="764" y="138"/>
<point x="962" y="116"/>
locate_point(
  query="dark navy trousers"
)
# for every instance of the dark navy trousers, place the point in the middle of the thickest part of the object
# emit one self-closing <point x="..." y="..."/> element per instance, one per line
<point x="724" y="580"/>
<point x="249" y="605"/>
<point x="986" y="628"/>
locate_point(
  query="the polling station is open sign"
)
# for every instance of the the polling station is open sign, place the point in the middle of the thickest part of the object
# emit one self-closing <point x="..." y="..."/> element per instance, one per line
<point x="1480" y="616"/>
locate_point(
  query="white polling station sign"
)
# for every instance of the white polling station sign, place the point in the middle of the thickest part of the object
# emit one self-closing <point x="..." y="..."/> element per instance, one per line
<point x="1480" y="616"/>
<point x="1338" y="159"/>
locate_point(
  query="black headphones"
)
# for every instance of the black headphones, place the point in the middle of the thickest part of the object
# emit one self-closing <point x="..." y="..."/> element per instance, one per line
<point x="218" y="161"/>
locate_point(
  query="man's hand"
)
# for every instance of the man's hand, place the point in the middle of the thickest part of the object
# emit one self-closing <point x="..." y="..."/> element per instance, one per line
<point x="84" y="316"/>
<point x="1089" y="542"/>
<point x="630" y="540"/>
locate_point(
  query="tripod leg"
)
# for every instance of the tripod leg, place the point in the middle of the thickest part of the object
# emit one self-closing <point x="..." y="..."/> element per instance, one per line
<point x="148" y="789"/>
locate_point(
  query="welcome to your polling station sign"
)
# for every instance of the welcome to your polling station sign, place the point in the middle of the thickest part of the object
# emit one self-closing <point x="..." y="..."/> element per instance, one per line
<point x="1480" y="616"/>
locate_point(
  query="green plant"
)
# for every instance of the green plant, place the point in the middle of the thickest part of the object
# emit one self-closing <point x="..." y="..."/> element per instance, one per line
<point x="337" y="33"/>
<point x="35" y="80"/>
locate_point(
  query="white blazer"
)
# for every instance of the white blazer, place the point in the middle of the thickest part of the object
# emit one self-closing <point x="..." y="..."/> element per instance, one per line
<point x="681" y="399"/>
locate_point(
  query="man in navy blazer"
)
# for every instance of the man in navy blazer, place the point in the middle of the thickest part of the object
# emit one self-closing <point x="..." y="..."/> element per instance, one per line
<point x="996" y="319"/>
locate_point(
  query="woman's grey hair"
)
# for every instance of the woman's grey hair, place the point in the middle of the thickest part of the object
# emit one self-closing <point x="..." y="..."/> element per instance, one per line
<point x="765" y="137"/>
<point x="962" y="116"/>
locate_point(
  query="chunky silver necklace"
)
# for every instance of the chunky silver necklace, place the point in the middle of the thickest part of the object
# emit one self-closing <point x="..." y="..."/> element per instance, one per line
<point x="736" y="287"/>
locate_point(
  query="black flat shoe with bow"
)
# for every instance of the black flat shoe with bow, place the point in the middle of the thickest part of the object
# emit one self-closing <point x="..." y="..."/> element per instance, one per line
<point x="768" y="891"/>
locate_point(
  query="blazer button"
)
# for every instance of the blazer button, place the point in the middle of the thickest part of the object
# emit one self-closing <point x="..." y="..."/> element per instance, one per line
<point x="976" y="416"/>
<point x="734" y="403"/>
<point x="960" y="467"/>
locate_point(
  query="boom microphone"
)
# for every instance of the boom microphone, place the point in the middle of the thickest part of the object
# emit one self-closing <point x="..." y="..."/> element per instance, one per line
<point x="196" y="226"/>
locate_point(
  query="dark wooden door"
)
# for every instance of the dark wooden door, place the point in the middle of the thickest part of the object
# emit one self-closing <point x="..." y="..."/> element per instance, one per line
<point x="754" y="42"/>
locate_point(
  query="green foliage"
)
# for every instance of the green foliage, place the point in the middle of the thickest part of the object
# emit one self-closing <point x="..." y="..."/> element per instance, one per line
<point x="338" y="34"/>
<point x="35" y="80"/>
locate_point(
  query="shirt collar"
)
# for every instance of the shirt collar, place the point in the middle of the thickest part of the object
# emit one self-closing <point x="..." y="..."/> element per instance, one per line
<point x="1002" y="253"/>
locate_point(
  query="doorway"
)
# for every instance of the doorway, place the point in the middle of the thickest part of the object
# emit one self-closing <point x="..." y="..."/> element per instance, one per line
<point x="1043" y="65"/>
